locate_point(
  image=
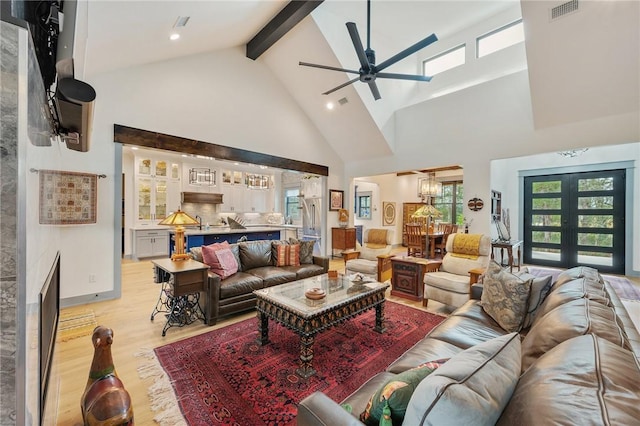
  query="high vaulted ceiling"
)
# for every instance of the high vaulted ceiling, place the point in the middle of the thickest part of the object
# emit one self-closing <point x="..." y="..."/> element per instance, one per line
<point x="580" y="67"/>
<point x="125" y="33"/>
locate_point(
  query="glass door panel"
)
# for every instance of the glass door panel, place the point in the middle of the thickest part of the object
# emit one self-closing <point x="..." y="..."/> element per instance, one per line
<point x="160" y="200"/>
<point x="161" y="169"/>
<point x="144" y="198"/>
<point x="575" y="219"/>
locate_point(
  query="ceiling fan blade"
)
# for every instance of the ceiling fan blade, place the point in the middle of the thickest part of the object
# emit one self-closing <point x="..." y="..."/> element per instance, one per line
<point x="403" y="76"/>
<point x="341" y="86"/>
<point x="326" y="67"/>
<point x="357" y="44"/>
<point x="374" y="90"/>
<point x="408" y="51"/>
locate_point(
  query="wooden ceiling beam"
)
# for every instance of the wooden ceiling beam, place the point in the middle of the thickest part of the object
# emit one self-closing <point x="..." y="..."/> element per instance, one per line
<point x="432" y="170"/>
<point x="137" y="137"/>
<point x="294" y="12"/>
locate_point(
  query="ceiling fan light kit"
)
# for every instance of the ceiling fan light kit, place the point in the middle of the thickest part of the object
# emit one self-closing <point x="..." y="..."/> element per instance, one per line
<point x="369" y="71"/>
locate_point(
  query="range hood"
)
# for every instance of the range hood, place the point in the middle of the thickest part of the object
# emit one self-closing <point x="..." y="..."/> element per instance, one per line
<point x="201" y="197"/>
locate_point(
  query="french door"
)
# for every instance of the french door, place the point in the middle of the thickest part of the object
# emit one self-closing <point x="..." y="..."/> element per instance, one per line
<point x="575" y="219"/>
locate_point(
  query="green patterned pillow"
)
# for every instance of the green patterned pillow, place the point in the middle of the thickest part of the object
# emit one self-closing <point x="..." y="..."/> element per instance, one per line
<point x="306" y="250"/>
<point x="505" y="297"/>
<point x="387" y="406"/>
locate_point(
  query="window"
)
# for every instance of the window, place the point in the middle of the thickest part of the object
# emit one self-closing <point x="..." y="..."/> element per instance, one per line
<point x="444" y="61"/>
<point x="499" y="39"/>
<point x="292" y="203"/>
<point x="364" y="205"/>
<point x="450" y="203"/>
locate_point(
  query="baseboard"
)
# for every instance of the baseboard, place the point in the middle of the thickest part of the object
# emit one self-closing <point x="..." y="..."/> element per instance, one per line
<point x="88" y="298"/>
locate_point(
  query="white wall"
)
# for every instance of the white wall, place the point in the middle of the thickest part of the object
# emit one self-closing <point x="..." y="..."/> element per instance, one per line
<point x="483" y="123"/>
<point x="219" y="97"/>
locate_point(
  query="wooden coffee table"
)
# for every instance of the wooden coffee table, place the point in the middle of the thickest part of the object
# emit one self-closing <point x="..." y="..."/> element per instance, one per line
<point x="287" y="305"/>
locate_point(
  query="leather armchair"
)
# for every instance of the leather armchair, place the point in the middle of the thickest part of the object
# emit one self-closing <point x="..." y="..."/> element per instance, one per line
<point x="449" y="281"/>
<point x="375" y="263"/>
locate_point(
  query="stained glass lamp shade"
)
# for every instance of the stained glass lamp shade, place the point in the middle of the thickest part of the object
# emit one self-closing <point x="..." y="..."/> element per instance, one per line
<point x="179" y="220"/>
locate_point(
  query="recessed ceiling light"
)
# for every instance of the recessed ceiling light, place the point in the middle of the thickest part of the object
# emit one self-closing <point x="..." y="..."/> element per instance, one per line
<point x="330" y="105"/>
<point x="134" y="147"/>
<point x="174" y="36"/>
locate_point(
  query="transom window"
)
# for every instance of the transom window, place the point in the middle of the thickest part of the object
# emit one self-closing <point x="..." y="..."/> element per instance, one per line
<point x="499" y="39"/>
<point x="444" y="61"/>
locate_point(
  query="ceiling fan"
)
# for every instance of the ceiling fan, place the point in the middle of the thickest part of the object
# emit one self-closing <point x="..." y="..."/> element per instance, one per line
<point x="369" y="71"/>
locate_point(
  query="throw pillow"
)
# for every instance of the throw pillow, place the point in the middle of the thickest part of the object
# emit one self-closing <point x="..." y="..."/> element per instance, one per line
<point x="196" y="253"/>
<point x="220" y="259"/>
<point x="504" y="297"/>
<point x="306" y="250"/>
<point x="472" y="388"/>
<point x="389" y="403"/>
<point x="540" y="288"/>
<point x="287" y="255"/>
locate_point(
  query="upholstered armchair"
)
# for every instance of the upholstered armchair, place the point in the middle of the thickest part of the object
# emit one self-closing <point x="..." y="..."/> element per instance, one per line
<point x="374" y="255"/>
<point x="449" y="281"/>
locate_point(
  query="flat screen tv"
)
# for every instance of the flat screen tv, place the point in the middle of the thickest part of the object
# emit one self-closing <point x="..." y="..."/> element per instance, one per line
<point x="49" y="313"/>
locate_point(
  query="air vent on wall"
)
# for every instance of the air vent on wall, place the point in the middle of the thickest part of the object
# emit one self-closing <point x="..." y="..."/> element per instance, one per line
<point x="563" y="10"/>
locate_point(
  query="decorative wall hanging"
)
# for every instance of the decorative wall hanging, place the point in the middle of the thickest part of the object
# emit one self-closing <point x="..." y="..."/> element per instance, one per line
<point x="388" y="213"/>
<point x="475" y="204"/>
<point x="336" y="199"/>
<point x="67" y="198"/>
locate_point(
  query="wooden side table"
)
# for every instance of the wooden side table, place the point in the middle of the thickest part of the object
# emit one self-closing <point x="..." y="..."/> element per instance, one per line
<point x="407" y="275"/>
<point x="349" y="255"/>
<point x="509" y="246"/>
<point x="182" y="282"/>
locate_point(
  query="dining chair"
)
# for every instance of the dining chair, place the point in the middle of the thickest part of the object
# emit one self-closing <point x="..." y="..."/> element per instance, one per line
<point x="415" y="244"/>
<point x="441" y="244"/>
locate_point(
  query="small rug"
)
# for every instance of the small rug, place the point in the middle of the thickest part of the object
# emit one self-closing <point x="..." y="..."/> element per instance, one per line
<point x="623" y="287"/>
<point x="226" y="377"/>
<point x="74" y="324"/>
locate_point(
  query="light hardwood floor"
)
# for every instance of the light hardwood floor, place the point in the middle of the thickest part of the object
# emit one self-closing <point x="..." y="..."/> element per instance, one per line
<point x="129" y="317"/>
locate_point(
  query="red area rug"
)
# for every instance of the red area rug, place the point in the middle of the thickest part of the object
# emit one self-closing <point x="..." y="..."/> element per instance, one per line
<point x="225" y="377"/>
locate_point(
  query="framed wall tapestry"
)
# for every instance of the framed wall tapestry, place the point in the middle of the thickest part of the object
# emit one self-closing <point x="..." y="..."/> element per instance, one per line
<point x="67" y="198"/>
<point x="388" y="213"/>
<point x="336" y="199"/>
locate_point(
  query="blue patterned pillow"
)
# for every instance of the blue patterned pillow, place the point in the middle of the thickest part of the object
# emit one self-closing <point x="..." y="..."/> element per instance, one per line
<point x="505" y="297"/>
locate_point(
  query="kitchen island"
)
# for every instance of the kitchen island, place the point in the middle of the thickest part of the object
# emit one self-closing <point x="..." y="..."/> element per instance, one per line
<point x="218" y="234"/>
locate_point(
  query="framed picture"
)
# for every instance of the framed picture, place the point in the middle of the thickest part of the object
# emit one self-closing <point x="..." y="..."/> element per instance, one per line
<point x="67" y="198"/>
<point x="336" y="199"/>
<point x="388" y="213"/>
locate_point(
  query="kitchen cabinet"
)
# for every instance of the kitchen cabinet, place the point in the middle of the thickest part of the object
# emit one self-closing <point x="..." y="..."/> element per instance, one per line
<point x="233" y="198"/>
<point x="150" y="243"/>
<point x="157" y="190"/>
<point x="231" y="236"/>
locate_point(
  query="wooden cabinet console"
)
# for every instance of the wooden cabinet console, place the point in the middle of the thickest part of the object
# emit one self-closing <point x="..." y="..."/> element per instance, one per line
<point x="343" y="239"/>
<point x="407" y="277"/>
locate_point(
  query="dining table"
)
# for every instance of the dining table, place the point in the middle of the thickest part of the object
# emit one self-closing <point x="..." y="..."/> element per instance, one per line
<point x="431" y="239"/>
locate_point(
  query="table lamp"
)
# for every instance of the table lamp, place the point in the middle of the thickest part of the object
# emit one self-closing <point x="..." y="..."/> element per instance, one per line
<point x="427" y="211"/>
<point x="178" y="220"/>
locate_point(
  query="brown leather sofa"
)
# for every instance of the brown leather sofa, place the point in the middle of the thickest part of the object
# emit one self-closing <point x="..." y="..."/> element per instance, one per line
<point x="256" y="270"/>
<point x="580" y="364"/>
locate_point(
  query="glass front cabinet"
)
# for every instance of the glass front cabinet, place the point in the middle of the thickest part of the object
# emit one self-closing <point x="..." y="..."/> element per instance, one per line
<point x="157" y="184"/>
